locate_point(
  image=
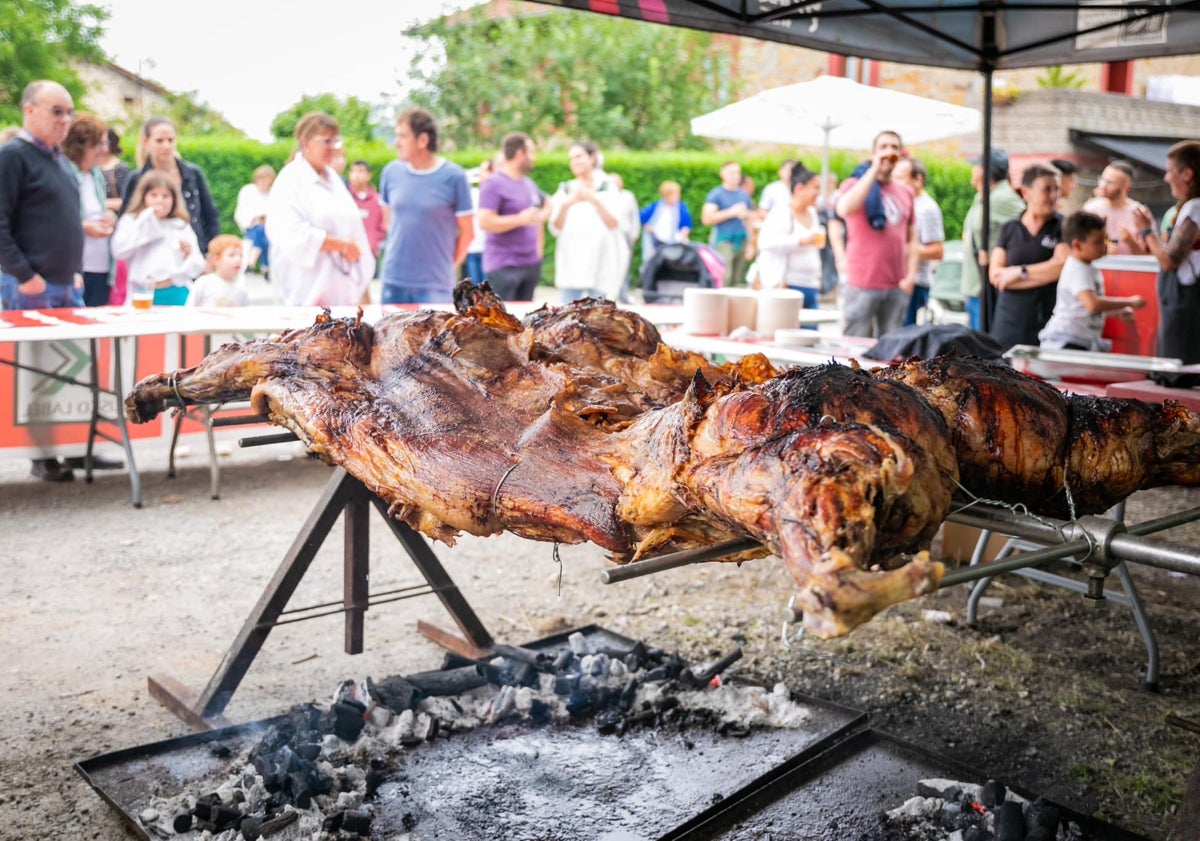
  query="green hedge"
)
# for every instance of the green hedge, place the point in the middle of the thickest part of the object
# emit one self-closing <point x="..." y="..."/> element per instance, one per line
<point x="229" y="164"/>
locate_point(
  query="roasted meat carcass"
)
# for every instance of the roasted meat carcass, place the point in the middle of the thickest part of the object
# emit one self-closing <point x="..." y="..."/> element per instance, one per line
<point x="579" y="425"/>
<point x="470" y="422"/>
<point x="1022" y="441"/>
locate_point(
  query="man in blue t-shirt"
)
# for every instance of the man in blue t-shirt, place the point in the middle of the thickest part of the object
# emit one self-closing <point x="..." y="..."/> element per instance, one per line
<point x="725" y="209"/>
<point x="432" y="216"/>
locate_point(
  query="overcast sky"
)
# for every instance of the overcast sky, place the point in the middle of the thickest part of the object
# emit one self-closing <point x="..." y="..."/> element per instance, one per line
<point x="250" y="59"/>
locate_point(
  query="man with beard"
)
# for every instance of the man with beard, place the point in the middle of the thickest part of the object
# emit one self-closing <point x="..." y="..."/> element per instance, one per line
<point x="1110" y="200"/>
<point x="512" y="211"/>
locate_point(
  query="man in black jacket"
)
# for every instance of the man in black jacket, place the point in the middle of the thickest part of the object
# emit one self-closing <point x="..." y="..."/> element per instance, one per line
<point x="41" y="238"/>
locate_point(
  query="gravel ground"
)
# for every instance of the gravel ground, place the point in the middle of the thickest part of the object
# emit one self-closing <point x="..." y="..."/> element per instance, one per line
<point x="95" y="596"/>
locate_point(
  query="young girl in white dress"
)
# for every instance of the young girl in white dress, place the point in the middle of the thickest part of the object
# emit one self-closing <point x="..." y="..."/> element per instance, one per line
<point x="156" y="238"/>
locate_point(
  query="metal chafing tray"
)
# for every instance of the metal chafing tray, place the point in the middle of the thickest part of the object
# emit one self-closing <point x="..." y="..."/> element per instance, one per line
<point x="1088" y="366"/>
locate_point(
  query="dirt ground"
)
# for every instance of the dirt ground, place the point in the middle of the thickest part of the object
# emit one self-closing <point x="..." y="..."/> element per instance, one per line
<point x="95" y="596"/>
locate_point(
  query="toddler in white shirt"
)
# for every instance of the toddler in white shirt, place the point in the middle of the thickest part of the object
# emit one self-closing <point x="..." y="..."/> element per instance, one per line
<point x="223" y="287"/>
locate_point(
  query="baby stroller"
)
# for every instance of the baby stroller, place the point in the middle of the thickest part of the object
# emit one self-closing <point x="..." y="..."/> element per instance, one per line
<point x="672" y="269"/>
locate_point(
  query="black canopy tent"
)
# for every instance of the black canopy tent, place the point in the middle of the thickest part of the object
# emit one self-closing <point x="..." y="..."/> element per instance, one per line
<point x="962" y="34"/>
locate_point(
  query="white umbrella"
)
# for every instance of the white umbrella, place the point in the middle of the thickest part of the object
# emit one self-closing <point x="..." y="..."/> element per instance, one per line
<point x="834" y="112"/>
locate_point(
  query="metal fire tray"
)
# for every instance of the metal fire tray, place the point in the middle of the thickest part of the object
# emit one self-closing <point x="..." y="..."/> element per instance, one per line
<point x="535" y="782"/>
<point x="839" y="792"/>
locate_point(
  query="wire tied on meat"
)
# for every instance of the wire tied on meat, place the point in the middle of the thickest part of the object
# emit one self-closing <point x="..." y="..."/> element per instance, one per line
<point x="173" y="384"/>
<point x="1023" y="510"/>
<point x="496" y="493"/>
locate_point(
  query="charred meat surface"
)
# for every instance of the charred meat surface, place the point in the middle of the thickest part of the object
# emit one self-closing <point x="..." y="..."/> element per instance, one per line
<point x="577" y="425"/>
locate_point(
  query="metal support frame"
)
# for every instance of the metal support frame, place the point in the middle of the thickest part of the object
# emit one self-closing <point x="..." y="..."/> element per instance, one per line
<point x="342" y="494"/>
<point x="1093" y="589"/>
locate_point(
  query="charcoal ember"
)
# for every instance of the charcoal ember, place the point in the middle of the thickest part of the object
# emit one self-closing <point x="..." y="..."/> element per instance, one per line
<point x="225" y="817"/>
<point x="278" y="823"/>
<point x="735" y="729"/>
<point x="1041" y="833"/>
<point x="332" y="822"/>
<point x="182" y="822"/>
<point x="396" y="693"/>
<point x="308" y="751"/>
<point x="607" y="721"/>
<point x="636" y="658"/>
<point x="1010" y="822"/>
<point x="206" y="805"/>
<point x="349" y="719"/>
<point x="1041" y="814"/>
<point x="252" y="827"/>
<point x="220" y="750"/>
<point x="357" y="821"/>
<point x="579" y="644"/>
<point x="977" y="833"/>
<point x="992" y="794"/>
<point x="628" y="695"/>
<point x="564" y="660"/>
<point x="566" y="684"/>
<point x="199" y="825"/>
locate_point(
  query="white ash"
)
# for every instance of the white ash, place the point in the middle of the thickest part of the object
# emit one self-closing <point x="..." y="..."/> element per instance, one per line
<point x="386" y="733"/>
<point x="921" y="815"/>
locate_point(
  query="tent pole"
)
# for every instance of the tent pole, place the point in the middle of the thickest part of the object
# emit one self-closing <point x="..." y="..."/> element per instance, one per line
<point x="825" y="165"/>
<point x="987" y="298"/>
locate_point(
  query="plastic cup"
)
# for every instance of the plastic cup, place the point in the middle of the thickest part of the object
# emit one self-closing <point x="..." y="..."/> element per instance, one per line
<point x="141" y="294"/>
<point x="818" y="238"/>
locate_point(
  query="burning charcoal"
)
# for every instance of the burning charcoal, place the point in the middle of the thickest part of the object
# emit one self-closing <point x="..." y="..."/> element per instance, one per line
<point x="395" y="693"/>
<point x="524" y="675"/>
<point x="563" y="660"/>
<point x="703" y="677"/>
<point x="607" y="721"/>
<point x="205" y="804"/>
<point x="993" y="794"/>
<point x="219" y="750"/>
<point x="204" y="826"/>
<point x="502" y="704"/>
<point x="951" y="815"/>
<point x="628" y="695"/>
<point x="1040" y="833"/>
<point x="182" y="822"/>
<point x="579" y="644"/>
<point x="332" y="823"/>
<point x="225" y="817"/>
<point x="282" y="821"/>
<point x="978" y="834"/>
<point x="657" y="674"/>
<point x="348" y="719"/>
<point x="566" y="684"/>
<point x="1010" y="822"/>
<point x="308" y="751"/>
<point x="1041" y="814"/>
<point x="523" y="700"/>
<point x="252" y="828"/>
<point x="357" y="821"/>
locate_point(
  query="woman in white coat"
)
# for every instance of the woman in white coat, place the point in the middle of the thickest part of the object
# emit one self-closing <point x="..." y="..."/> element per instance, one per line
<point x="319" y="249"/>
<point x="592" y="255"/>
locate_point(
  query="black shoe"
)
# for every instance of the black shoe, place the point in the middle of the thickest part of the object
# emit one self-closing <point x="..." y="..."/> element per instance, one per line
<point x="50" y="470"/>
<point x="99" y="462"/>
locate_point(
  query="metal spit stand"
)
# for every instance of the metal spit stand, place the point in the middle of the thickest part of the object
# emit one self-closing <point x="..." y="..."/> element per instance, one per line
<point x="1099" y="544"/>
<point x="343" y="495"/>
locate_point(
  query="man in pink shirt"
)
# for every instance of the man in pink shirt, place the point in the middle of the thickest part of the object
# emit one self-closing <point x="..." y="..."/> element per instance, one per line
<point x="1110" y="200"/>
<point x="881" y="244"/>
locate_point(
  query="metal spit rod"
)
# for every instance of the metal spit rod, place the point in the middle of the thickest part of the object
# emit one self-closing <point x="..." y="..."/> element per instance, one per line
<point x="1126" y="546"/>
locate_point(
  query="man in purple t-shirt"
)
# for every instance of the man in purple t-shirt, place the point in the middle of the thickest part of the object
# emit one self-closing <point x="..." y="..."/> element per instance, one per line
<point x="512" y="211"/>
<point x="881" y="245"/>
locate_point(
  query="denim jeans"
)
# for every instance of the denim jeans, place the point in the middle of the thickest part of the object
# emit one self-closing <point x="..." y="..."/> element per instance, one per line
<point x="971" y="304"/>
<point x="475" y="266"/>
<point x="392" y="294"/>
<point x="569" y="295"/>
<point x="257" y="234"/>
<point x="55" y="296"/>
<point x="920" y="297"/>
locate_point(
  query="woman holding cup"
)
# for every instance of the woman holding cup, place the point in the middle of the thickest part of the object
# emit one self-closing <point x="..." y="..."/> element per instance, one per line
<point x="790" y="242"/>
<point x="85" y="146"/>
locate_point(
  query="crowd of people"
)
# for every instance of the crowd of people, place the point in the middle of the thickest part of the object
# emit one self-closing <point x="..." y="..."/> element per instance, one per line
<point x="79" y="227"/>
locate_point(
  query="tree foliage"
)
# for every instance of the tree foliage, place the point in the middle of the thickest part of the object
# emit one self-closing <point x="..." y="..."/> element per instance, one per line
<point x="353" y="116"/>
<point x="1057" y="77"/>
<point x="38" y="40"/>
<point x="561" y="74"/>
